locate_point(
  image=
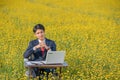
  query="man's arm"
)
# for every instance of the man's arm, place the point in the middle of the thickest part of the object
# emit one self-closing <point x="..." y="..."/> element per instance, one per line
<point x="53" y="46"/>
<point x="29" y="50"/>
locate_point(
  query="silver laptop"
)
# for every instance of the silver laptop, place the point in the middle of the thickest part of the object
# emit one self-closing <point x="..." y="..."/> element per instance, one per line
<point x="54" y="57"/>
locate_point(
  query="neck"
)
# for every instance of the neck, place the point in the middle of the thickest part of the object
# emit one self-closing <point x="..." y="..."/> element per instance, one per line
<point x="42" y="39"/>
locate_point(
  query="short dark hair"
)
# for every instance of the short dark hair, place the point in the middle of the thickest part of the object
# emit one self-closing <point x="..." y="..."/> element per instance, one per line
<point x="38" y="26"/>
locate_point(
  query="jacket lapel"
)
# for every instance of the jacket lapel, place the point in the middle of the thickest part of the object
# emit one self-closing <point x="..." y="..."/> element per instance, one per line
<point x="46" y="41"/>
<point x="36" y="42"/>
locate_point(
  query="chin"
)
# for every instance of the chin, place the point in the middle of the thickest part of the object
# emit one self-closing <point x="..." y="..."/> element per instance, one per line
<point x="41" y="38"/>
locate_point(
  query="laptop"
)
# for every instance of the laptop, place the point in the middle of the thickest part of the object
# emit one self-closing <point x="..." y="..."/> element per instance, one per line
<point x="54" y="57"/>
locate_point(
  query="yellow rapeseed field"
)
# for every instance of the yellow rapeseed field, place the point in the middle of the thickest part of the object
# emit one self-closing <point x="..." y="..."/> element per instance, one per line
<point x="88" y="30"/>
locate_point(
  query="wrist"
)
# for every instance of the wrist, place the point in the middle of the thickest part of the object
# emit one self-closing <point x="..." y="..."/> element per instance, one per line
<point x="47" y="48"/>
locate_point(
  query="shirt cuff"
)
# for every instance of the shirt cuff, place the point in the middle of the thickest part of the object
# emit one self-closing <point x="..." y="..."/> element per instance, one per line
<point x="34" y="48"/>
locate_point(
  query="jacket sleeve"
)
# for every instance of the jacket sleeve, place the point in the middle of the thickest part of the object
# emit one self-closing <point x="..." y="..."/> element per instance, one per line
<point x="53" y="46"/>
<point x="29" y="50"/>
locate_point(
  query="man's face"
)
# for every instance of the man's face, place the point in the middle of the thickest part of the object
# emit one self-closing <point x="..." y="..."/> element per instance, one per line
<point x="40" y="34"/>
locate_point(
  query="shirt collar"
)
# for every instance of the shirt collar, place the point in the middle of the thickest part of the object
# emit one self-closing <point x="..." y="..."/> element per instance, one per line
<point x="41" y="41"/>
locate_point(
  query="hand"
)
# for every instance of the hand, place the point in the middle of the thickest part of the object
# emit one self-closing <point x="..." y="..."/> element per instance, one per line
<point x="42" y="44"/>
<point x="37" y="46"/>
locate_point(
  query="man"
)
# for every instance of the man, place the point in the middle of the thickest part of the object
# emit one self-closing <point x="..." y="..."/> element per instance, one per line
<point x="39" y="47"/>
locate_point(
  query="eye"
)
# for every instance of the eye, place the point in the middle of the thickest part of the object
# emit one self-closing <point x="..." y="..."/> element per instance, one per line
<point x="38" y="32"/>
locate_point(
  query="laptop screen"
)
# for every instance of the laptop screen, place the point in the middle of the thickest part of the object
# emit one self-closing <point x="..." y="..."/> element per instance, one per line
<point x="55" y="57"/>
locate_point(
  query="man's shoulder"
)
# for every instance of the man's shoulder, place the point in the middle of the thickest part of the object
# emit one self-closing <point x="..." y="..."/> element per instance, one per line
<point x="34" y="41"/>
<point x="49" y="40"/>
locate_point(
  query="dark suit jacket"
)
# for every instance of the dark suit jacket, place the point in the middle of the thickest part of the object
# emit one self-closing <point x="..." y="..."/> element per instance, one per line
<point x="37" y="53"/>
